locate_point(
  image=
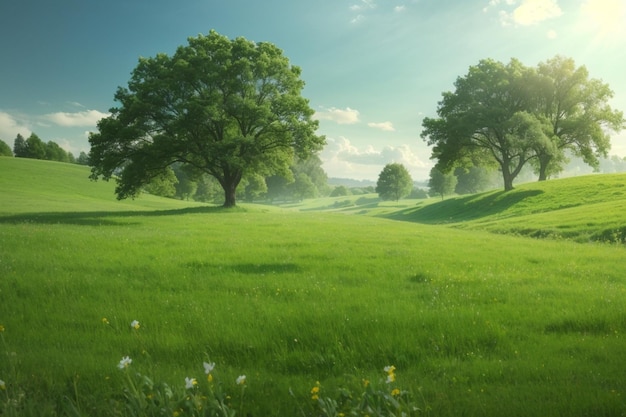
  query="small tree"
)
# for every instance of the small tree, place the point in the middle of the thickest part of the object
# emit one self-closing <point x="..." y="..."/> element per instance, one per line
<point x="339" y="191"/>
<point x="394" y="182"/>
<point x="19" y="146"/>
<point x="5" y="149"/>
<point x="35" y="148"/>
<point x="83" y="159"/>
<point x="440" y="183"/>
<point x="55" y="153"/>
<point x="302" y="187"/>
<point x="255" y="187"/>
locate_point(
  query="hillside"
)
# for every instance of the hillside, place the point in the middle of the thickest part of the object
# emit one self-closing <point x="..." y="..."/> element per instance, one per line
<point x="585" y="208"/>
<point x="30" y="184"/>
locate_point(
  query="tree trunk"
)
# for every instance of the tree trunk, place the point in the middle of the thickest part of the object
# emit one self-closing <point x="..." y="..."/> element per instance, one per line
<point x="229" y="197"/>
<point x="230" y="189"/>
<point x="543" y="167"/>
<point x="507" y="177"/>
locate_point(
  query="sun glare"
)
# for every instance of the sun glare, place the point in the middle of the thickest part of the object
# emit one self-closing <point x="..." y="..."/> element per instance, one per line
<point x="605" y="17"/>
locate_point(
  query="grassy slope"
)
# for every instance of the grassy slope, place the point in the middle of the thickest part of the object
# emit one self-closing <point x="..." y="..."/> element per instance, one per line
<point x="585" y="208"/>
<point x="30" y="185"/>
<point x="293" y="298"/>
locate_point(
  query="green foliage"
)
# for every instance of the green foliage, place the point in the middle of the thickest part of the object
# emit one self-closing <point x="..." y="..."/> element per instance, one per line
<point x="35" y="148"/>
<point x="83" y="159"/>
<point x="515" y="114"/>
<point x="164" y="184"/>
<point x="229" y="108"/>
<point x="55" y="153"/>
<point x="339" y="191"/>
<point x="19" y="146"/>
<point x="5" y="149"/>
<point x="255" y="187"/>
<point x="472" y="179"/>
<point x="418" y="193"/>
<point x="394" y="182"/>
<point x="578" y="115"/>
<point x="440" y="183"/>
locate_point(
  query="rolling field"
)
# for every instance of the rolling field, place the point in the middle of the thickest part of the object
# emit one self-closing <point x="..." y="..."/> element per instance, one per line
<point x="476" y="323"/>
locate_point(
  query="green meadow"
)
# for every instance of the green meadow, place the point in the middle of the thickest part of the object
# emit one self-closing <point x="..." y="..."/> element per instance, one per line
<point x="498" y="304"/>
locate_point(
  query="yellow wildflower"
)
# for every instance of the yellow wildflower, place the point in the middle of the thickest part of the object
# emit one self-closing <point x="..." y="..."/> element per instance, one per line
<point x="134" y="324"/>
<point x="391" y="376"/>
<point x="395" y="392"/>
<point x="315" y="391"/>
<point x="105" y="320"/>
<point x="209" y="378"/>
<point x="1" y="328"/>
<point x="366" y="383"/>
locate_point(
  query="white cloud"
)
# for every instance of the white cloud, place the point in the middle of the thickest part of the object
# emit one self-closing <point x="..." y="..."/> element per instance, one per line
<point x="385" y="126"/>
<point x="357" y="19"/>
<point x="83" y="118"/>
<point x="527" y="13"/>
<point x="399" y="9"/>
<point x="363" y="5"/>
<point x="343" y="159"/>
<point x="343" y="117"/>
<point x="10" y="127"/>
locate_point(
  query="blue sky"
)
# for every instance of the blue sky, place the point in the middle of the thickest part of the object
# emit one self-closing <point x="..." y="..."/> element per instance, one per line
<point x="373" y="68"/>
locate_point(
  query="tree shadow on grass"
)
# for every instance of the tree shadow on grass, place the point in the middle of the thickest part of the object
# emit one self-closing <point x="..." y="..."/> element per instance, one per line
<point x="103" y="218"/>
<point x="455" y="210"/>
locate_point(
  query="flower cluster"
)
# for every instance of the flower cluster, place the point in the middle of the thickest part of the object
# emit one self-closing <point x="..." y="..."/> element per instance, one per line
<point x="135" y="325"/>
<point x="369" y="399"/>
<point x="391" y="376"/>
<point x="190" y="383"/>
<point x="315" y="391"/>
<point x="208" y="368"/>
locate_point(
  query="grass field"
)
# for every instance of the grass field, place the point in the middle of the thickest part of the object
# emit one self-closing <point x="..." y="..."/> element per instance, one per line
<point x="475" y="322"/>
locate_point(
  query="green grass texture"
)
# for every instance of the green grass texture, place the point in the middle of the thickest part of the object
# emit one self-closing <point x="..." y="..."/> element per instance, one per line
<point x="480" y="323"/>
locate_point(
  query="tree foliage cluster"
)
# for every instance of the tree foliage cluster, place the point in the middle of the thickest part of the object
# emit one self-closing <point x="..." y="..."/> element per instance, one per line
<point x="305" y="179"/>
<point x="509" y="115"/>
<point x="394" y="182"/>
<point x="35" y="148"/>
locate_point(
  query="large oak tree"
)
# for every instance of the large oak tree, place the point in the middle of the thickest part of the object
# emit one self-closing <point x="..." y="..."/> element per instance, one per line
<point x="487" y="117"/>
<point x="513" y="114"/>
<point x="227" y="108"/>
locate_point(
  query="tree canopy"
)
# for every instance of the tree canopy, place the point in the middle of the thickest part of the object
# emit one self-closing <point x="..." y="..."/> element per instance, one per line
<point x="5" y="149"/>
<point x="513" y="114"/>
<point x="394" y="182"/>
<point x="226" y="108"/>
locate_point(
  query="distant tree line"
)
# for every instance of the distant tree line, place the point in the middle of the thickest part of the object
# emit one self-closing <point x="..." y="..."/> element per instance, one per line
<point x="35" y="148"/>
